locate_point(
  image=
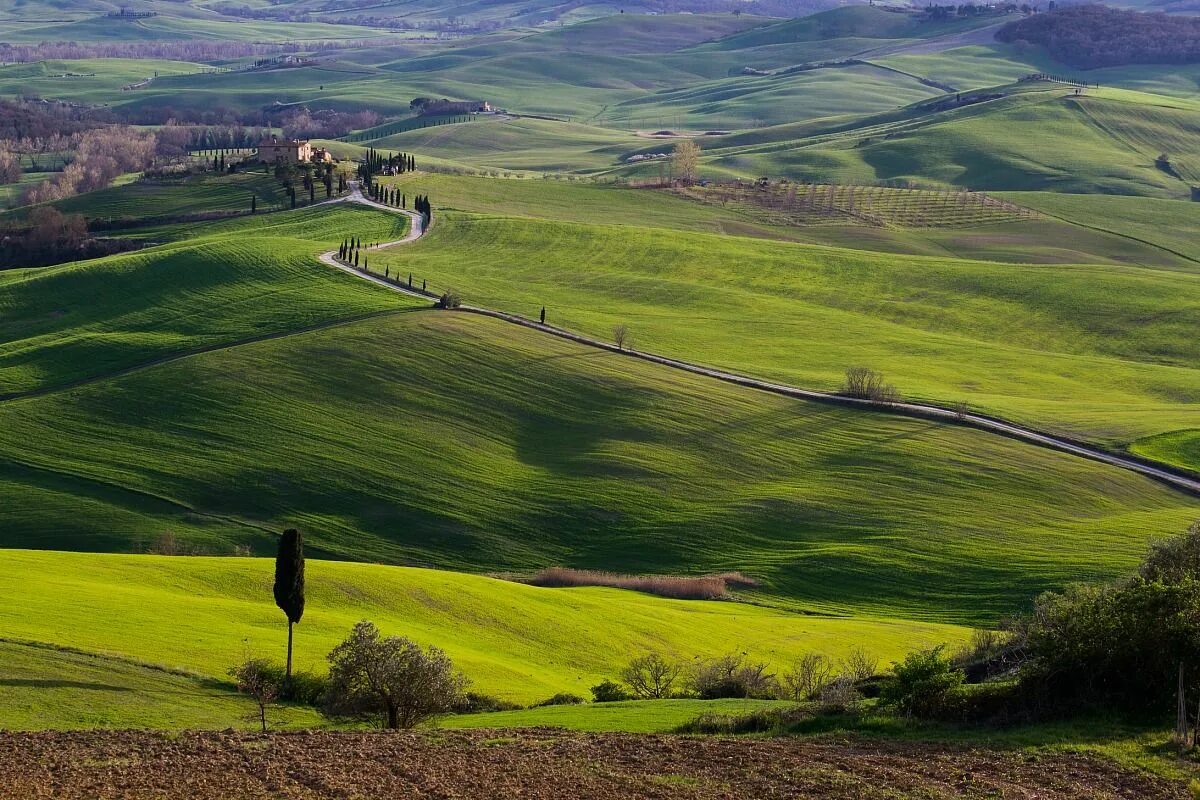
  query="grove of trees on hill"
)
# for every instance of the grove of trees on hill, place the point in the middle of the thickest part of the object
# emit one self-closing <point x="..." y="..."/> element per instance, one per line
<point x="1095" y="36"/>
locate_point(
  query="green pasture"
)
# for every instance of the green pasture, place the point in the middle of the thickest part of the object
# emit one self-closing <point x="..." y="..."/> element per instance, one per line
<point x="433" y="438"/>
<point x="251" y="277"/>
<point x="519" y="642"/>
<point x="1099" y="351"/>
<point x="46" y="687"/>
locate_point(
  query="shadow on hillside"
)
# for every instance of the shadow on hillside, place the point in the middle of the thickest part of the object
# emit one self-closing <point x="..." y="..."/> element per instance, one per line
<point x="34" y="683"/>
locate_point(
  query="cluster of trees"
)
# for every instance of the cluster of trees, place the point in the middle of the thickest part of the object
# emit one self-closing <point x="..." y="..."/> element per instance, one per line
<point x="308" y="176"/>
<point x="195" y="50"/>
<point x="99" y="156"/>
<point x="652" y="676"/>
<point x="1132" y="645"/>
<point x="973" y="10"/>
<point x="422" y="206"/>
<point x="350" y="250"/>
<point x="52" y="237"/>
<point x="23" y="118"/>
<point x="388" y="195"/>
<point x="867" y="384"/>
<point x="376" y="163"/>
<point x="1092" y="36"/>
<point x="325" y="123"/>
<point x="371" y="676"/>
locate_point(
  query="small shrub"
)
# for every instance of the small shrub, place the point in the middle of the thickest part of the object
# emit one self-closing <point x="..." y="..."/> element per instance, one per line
<point x="859" y="665"/>
<point x="254" y="678"/>
<point x="838" y="696"/>
<point x="476" y="703"/>
<point x="711" y="723"/>
<point x="449" y="300"/>
<point x="610" y="692"/>
<point x="732" y="677"/>
<point x="868" y="384"/>
<point x="923" y="684"/>
<point x="562" y="699"/>
<point x="306" y="688"/>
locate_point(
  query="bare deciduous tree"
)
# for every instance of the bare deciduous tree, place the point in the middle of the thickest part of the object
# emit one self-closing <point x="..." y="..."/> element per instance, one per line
<point x="256" y="678"/>
<point x="807" y="677"/>
<point x="620" y="334"/>
<point x="651" y="676"/>
<point x="868" y="384"/>
<point x="859" y="665"/>
<point x="685" y="160"/>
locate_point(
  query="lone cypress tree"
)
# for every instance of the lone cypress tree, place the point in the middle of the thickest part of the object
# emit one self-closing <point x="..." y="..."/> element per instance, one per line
<point x="289" y="583"/>
<point x="253" y="203"/>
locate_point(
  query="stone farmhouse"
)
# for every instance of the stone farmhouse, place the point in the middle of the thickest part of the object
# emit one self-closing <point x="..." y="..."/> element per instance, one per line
<point x="292" y="151"/>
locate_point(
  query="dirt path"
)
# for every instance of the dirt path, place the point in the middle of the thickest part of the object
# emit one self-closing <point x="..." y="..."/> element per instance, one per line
<point x="121" y="765"/>
<point x="1174" y="479"/>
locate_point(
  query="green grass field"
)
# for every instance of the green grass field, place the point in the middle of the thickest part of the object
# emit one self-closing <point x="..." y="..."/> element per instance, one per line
<point x="193" y="195"/>
<point x="459" y="442"/>
<point x="1090" y="351"/>
<point x="244" y="278"/>
<point x="44" y="687"/>
<point x="1170" y="224"/>
<point x="520" y="642"/>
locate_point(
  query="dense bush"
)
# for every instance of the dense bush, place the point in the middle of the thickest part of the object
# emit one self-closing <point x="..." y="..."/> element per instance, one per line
<point x="1117" y="645"/>
<point x="610" y="692"/>
<point x="389" y="678"/>
<point x="1095" y="36"/>
<point x="562" y="699"/>
<point x="476" y="703"/>
<point x="923" y="685"/>
<point x="733" y="676"/>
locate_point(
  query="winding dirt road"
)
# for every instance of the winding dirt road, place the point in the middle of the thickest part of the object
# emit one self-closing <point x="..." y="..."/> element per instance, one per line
<point x="1170" y="477"/>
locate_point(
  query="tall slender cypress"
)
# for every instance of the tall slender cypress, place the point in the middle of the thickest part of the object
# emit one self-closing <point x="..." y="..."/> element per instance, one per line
<point x="289" y="583"/>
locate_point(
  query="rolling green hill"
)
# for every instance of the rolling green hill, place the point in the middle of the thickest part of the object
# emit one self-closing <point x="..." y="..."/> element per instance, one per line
<point x="459" y="442"/>
<point x="1098" y="352"/>
<point x="250" y="278"/>
<point x="49" y="687"/>
<point x="520" y="642"/>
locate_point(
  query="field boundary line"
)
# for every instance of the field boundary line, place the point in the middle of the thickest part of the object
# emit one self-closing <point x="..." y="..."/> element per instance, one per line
<point x="1175" y="479"/>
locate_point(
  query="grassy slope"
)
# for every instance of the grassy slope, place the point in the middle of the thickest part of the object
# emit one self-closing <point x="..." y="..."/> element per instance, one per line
<point x="1095" y="351"/>
<point x="243" y="278"/>
<point x="197" y="193"/>
<point x="503" y="449"/>
<point x="518" y="641"/>
<point x="1099" y="143"/>
<point x="1169" y="223"/>
<point x="1042" y="240"/>
<point x="44" y="687"/>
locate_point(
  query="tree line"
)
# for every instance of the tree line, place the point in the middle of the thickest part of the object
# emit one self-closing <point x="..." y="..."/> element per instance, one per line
<point x="1091" y="36"/>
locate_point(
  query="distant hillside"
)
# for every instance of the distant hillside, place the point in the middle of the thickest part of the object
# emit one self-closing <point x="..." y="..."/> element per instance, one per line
<point x="860" y="22"/>
<point x="1096" y="36"/>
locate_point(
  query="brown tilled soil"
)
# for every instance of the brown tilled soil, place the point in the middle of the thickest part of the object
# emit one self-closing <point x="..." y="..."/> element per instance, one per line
<point x="535" y="764"/>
